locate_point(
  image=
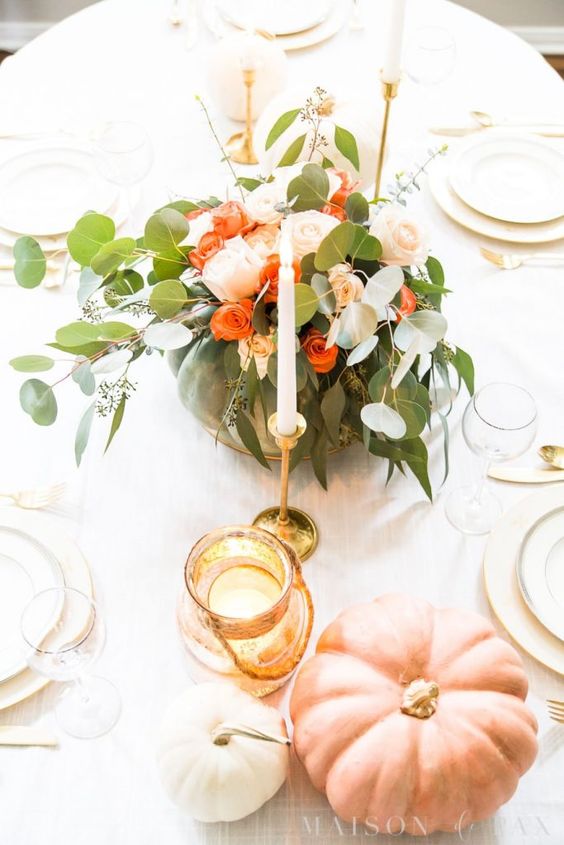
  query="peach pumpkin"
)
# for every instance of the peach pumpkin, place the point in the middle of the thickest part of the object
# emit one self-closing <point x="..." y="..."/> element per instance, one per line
<point x="412" y="717"/>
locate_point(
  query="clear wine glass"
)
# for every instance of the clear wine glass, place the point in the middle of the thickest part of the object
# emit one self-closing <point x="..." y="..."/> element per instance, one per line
<point x="64" y="651"/>
<point x="430" y="55"/>
<point x="499" y="424"/>
<point x="124" y="155"/>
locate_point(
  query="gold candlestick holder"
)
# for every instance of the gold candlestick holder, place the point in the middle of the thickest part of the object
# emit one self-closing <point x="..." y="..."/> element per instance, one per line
<point x="289" y="524"/>
<point x="389" y="93"/>
<point x="240" y="146"/>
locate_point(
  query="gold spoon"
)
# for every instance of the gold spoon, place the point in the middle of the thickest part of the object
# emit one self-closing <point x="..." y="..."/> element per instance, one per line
<point x="547" y="129"/>
<point x="553" y="455"/>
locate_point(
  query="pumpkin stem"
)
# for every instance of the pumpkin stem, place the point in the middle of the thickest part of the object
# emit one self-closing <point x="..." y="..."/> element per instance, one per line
<point x="223" y="733"/>
<point x="420" y="698"/>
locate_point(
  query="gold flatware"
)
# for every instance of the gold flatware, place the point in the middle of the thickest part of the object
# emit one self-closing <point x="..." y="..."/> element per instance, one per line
<point x="555" y="709"/>
<point x="508" y="261"/>
<point x="526" y="475"/>
<point x="553" y="455"/>
<point x="462" y="131"/>
<point x="486" y="121"/>
<point x="40" y="497"/>
<point x="51" y="266"/>
<point x="26" y="735"/>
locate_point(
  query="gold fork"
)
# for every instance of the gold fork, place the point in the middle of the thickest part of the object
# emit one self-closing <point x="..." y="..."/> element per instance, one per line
<point x="556" y="709"/>
<point x="40" y="497"/>
<point x="511" y="262"/>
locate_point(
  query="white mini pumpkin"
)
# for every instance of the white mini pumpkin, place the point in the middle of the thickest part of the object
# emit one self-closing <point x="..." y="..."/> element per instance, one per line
<point x="221" y="753"/>
<point x="341" y="110"/>
<point x="225" y="76"/>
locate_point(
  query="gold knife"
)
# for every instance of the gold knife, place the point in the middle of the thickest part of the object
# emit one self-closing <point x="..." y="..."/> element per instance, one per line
<point x="526" y="475"/>
<point x="26" y="735"/>
<point x="461" y="131"/>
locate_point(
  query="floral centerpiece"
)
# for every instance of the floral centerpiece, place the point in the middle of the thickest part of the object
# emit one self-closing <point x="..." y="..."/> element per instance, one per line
<point x="201" y="283"/>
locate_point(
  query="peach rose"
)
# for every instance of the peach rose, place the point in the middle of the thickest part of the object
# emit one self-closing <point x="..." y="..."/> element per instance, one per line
<point x="233" y="272"/>
<point x="404" y="242"/>
<point x="230" y="219"/>
<point x="261" y="203"/>
<point x="263" y="240"/>
<point x="257" y="346"/>
<point x="347" y="287"/>
<point x="208" y="245"/>
<point x="232" y="321"/>
<point x="315" y="347"/>
<point x="308" y="228"/>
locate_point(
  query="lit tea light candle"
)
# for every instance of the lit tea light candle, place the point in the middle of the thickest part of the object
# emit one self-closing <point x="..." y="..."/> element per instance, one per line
<point x="243" y="590"/>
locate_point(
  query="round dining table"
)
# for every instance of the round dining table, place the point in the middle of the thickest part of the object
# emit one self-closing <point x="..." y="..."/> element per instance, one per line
<point x="137" y="510"/>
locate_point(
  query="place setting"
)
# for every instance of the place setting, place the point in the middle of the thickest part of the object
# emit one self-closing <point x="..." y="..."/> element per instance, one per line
<point x="294" y="313"/>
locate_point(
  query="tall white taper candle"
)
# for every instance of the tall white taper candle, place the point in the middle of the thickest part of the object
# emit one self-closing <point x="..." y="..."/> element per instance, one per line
<point x="286" y="373"/>
<point x="391" y="69"/>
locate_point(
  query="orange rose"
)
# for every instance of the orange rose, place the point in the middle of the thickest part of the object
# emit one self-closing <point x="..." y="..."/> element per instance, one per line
<point x="315" y="347"/>
<point x="209" y="244"/>
<point x="269" y="273"/>
<point x="191" y="215"/>
<point x="232" y="321"/>
<point x="230" y="219"/>
<point x="334" y="211"/>
<point x="348" y="185"/>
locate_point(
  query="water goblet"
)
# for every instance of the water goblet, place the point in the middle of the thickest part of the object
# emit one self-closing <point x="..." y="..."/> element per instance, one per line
<point x="64" y="651"/>
<point x="499" y="424"/>
<point x="431" y="55"/>
<point x="124" y="155"/>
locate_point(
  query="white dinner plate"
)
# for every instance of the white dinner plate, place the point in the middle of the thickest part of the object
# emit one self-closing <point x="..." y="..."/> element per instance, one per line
<point x="26" y="568"/>
<point x="45" y="191"/>
<point x="501" y="580"/>
<point x="278" y="18"/>
<point x="75" y="573"/>
<point x="540" y="571"/>
<point x="515" y="179"/>
<point x="451" y="204"/>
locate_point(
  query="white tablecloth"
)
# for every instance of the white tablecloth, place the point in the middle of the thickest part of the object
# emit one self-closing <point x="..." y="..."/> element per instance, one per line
<point x="137" y="511"/>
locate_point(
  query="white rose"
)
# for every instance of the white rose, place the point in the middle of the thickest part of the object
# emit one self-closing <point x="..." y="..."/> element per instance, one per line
<point x="404" y="242"/>
<point x="308" y="228"/>
<point x="264" y="240"/>
<point x="199" y="226"/>
<point x="258" y="346"/>
<point x="261" y="203"/>
<point x="284" y="175"/>
<point x="347" y="287"/>
<point x="233" y="272"/>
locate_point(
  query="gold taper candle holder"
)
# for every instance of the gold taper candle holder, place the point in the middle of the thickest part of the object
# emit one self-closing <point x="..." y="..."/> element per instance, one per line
<point x="389" y="93"/>
<point x="240" y="146"/>
<point x="289" y="524"/>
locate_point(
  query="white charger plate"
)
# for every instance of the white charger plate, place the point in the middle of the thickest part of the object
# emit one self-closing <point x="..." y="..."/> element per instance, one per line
<point x="75" y="572"/>
<point x="26" y="568"/>
<point x="540" y="571"/>
<point x="286" y="18"/>
<point x="510" y="178"/>
<point x="45" y="191"/>
<point x="469" y="218"/>
<point x="502" y="584"/>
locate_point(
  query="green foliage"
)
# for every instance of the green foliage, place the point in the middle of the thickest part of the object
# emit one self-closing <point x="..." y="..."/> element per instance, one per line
<point x="464" y="366"/>
<point x="89" y="235"/>
<point x="357" y="208"/>
<point x="112" y="255"/>
<point x="284" y="121"/>
<point x="30" y="264"/>
<point x="83" y="432"/>
<point x="292" y="154"/>
<point x="168" y="298"/>
<point x="38" y="400"/>
<point x="347" y="146"/>
<point x="32" y="363"/>
<point x="309" y="189"/>
<point x="306" y="303"/>
<point x="165" y="230"/>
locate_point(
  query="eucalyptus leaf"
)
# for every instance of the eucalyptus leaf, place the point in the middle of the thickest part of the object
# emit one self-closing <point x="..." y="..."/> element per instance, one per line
<point x="167" y="336"/>
<point x="381" y="288"/>
<point x="364" y="247"/>
<point x="116" y="421"/>
<point x="335" y="246"/>
<point x="357" y="208"/>
<point x="115" y="331"/>
<point x="167" y="298"/>
<point x="248" y="435"/>
<point x="379" y="387"/>
<point x="306" y="302"/>
<point x="292" y="154"/>
<point x="90" y="233"/>
<point x="427" y="326"/>
<point x="357" y="322"/>
<point x="464" y="366"/>
<point x="381" y="418"/>
<point x="346" y="144"/>
<point x="128" y="282"/>
<point x="309" y="189"/>
<point x="112" y="361"/>
<point x="327" y="300"/>
<point x="319" y="457"/>
<point x="418" y="463"/>
<point x="32" y="363"/>
<point x="77" y="334"/>
<point x="284" y="121"/>
<point x="38" y="400"/>
<point x="165" y="230"/>
<point x="172" y="264"/>
<point x="332" y="408"/>
<point x="362" y="351"/>
<point x="112" y="255"/>
<point x="231" y="360"/>
<point x="82" y="375"/>
<point x="83" y="432"/>
<point x="88" y="283"/>
<point x="413" y="415"/>
<point x="30" y="264"/>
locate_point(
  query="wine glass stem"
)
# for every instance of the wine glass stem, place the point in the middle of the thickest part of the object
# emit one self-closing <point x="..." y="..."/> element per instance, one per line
<point x="82" y="689"/>
<point x="477" y="497"/>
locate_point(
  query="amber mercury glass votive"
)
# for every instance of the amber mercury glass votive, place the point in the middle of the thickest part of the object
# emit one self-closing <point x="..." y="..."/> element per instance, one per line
<point x="245" y="613"/>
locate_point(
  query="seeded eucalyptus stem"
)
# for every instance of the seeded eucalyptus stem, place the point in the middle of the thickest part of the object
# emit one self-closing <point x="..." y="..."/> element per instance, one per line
<point x="224" y="155"/>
